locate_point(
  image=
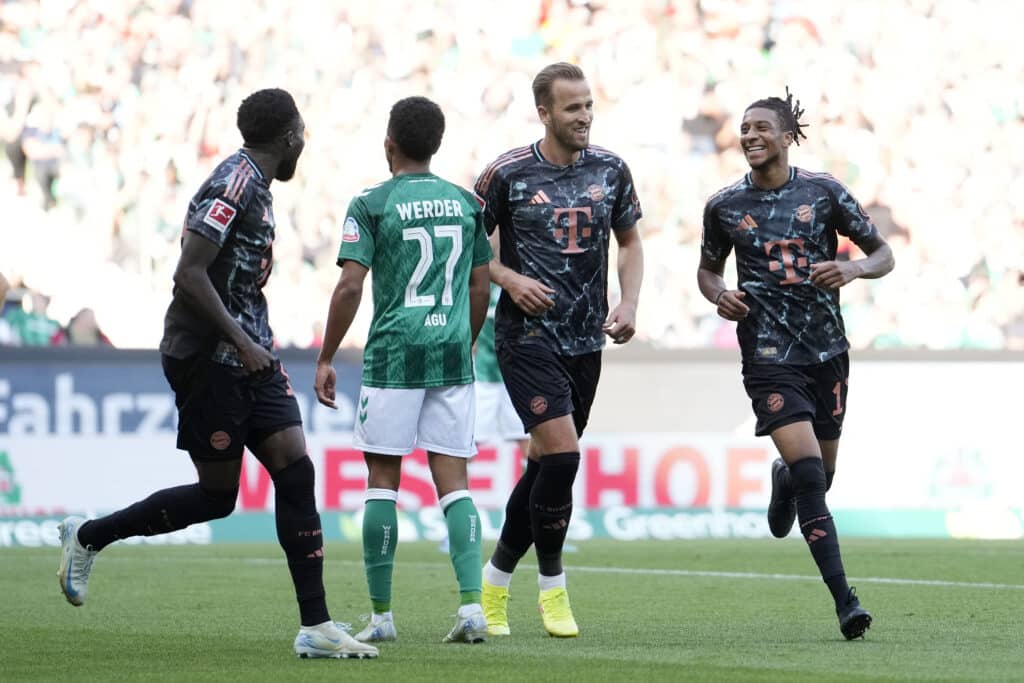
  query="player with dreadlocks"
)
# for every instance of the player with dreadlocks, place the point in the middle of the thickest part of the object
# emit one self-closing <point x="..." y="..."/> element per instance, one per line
<point x="783" y="223"/>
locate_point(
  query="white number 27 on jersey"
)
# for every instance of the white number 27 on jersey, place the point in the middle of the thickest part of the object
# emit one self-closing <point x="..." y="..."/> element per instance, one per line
<point x="420" y="235"/>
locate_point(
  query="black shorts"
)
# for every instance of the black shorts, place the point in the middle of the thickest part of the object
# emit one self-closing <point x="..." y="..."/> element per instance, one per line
<point x="784" y="394"/>
<point x="222" y="408"/>
<point x="544" y="385"/>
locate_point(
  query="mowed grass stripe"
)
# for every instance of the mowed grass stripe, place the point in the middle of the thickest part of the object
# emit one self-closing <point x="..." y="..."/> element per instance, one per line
<point x="641" y="571"/>
<point x="227" y="613"/>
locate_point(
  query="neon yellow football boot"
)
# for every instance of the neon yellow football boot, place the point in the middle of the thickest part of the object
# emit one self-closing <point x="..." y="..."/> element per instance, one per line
<point x="494" y="600"/>
<point x="557" y="614"/>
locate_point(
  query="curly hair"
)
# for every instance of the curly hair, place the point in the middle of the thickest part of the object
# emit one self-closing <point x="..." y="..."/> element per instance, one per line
<point x="416" y="125"/>
<point x="265" y="115"/>
<point x="788" y="111"/>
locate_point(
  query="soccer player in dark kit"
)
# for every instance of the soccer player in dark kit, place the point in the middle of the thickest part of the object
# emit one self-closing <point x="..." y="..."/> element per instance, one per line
<point x="783" y="223"/>
<point x="555" y="205"/>
<point x="230" y="389"/>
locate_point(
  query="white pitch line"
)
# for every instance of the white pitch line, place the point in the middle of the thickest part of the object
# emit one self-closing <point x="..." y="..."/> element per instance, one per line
<point x="714" y="574"/>
<point x="792" y="577"/>
<point x="695" y="573"/>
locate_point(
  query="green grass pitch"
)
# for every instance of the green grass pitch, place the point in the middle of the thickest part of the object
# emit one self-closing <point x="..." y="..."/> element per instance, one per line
<point x="648" y="611"/>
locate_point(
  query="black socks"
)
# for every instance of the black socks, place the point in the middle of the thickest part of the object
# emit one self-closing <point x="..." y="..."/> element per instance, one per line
<point x="163" y="512"/>
<point x="816" y="525"/>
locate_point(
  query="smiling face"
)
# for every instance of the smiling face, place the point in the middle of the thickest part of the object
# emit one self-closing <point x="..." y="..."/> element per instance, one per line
<point x="569" y="113"/>
<point x="762" y="138"/>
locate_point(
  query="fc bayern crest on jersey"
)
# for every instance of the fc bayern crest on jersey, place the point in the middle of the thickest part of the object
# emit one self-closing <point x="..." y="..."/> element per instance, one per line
<point x="350" y="233"/>
<point x="804" y="213"/>
<point x="219" y="215"/>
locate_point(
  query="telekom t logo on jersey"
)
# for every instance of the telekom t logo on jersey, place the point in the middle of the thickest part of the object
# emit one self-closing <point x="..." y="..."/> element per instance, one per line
<point x="790" y="255"/>
<point x="574" y="229"/>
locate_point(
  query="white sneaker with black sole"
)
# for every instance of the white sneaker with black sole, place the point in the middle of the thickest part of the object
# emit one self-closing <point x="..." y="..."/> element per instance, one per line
<point x="327" y="640"/>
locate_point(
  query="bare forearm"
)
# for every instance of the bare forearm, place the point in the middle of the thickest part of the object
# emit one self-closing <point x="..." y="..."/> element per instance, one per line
<point x="876" y="264"/>
<point x="196" y="285"/>
<point x="501" y="274"/>
<point x="344" y="304"/>
<point x="478" y="303"/>
<point x="631" y="271"/>
<point x="499" y="271"/>
<point x="711" y="284"/>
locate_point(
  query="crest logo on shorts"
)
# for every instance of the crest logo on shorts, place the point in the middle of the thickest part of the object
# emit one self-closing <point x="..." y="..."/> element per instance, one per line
<point x="804" y="213"/>
<point x="539" y="405"/>
<point x="220" y="440"/>
<point x="775" y="402"/>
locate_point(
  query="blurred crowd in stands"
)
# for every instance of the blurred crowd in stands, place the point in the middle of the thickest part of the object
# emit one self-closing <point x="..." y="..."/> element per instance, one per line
<point x="113" y="112"/>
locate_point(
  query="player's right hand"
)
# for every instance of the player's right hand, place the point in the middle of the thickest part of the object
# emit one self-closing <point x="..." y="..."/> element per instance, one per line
<point x="731" y="306"/>
<point x="324" y="384"/>
<point x="532" y="296"/>
<point x="255" y="358"/>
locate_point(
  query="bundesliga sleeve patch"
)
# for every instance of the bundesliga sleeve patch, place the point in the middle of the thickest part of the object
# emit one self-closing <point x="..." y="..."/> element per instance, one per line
<point x="219" y="215"/>
<point x="350" y="233"/>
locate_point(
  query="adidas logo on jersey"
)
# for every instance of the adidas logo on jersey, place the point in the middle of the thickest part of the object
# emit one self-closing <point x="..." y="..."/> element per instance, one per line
<point x="747" y="223"/>
<point x="540" y="198"/>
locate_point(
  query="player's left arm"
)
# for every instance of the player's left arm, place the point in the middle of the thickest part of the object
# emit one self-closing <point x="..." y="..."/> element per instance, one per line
<point x="479" y="298"/>
<point x="853" y="222"/>
<point x="344" y="304"/>
<point x="878" y="262"/>
<point x="4" y="288"/>
<point x="479" y="279"/>
<point x="621" y="323"/>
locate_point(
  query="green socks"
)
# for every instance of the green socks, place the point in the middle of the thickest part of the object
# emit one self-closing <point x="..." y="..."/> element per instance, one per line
<point x="464" y="543"/>
<point x="380" y="537"/>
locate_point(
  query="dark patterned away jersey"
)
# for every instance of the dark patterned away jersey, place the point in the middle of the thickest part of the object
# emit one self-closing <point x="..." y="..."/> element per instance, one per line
<point x="777" y="235"/>
<point x="233" y="209"/>
<point x="555" y="223"/>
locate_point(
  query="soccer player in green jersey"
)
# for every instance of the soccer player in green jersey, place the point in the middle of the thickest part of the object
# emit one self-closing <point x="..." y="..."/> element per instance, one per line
<point x="425" y="242"/>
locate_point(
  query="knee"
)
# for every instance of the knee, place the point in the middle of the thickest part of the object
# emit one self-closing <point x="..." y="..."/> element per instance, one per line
<point x="296" y="481"/>
<point x="808" y="476"/>
<point x="561" y="467"/>
<point x="219" y="503"/>
<point x="384" y="472"/>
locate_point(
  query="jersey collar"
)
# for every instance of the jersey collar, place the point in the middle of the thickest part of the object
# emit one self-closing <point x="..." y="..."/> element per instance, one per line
<point x="751" y="185"/>
<point x="255" y="167"/>
<point x="540" y="157"/>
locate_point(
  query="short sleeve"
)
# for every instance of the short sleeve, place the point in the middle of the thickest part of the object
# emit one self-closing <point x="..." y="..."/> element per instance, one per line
<point x="851" y="218"/>
<point x="715" y="243"/>
<point x="482" y="252"/>
<point x="491" y="191"/>
<point x="212" y="213"/>
<point x="357" y="235"/>
<point x="627" y="209"/>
